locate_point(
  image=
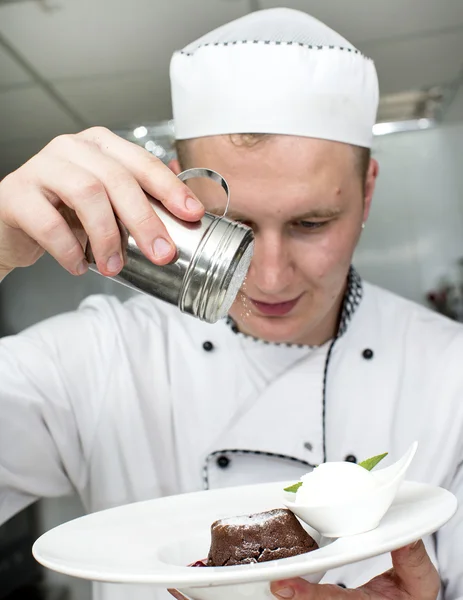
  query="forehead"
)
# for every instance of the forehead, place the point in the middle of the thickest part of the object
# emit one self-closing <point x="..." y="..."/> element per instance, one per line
<point x="263" y="170"/>
<point x="278" y="153"/>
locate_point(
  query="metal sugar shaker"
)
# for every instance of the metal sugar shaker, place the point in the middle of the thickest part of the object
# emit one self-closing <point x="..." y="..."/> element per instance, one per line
<point x="213" y="258"/>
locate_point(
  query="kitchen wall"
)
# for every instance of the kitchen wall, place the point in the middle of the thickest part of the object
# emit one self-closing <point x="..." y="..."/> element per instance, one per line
<point x="414" y="234"/>
<point x="45" y="289"/>
<point x="29" y="296"/>
<point x="415" y="231"/>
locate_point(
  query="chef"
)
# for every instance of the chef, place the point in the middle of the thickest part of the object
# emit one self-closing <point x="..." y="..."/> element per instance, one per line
<point x="131" y="401"/>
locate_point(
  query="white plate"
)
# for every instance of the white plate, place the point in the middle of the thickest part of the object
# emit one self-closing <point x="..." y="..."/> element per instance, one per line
<point x="151" y="542"/>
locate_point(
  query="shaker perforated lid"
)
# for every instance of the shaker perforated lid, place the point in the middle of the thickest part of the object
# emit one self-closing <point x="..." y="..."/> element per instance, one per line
<point x="237" y="280"/>
<point x="217" y="270"/>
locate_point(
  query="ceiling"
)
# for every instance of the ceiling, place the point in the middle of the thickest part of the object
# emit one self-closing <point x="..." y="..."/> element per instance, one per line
<point x="69" y="64"/>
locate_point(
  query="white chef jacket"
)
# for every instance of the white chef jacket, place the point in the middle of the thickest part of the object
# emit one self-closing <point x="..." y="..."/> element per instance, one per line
<point x="130" y="401"/>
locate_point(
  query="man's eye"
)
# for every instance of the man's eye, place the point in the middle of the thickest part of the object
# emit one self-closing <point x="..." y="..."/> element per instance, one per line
<point x="310" y="224"/>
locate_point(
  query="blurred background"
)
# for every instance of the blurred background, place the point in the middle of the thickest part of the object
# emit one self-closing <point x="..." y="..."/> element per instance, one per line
<point x="69" y="64"/>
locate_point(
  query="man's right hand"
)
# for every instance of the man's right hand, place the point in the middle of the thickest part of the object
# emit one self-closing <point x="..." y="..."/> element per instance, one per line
<point x="72" y="190"/>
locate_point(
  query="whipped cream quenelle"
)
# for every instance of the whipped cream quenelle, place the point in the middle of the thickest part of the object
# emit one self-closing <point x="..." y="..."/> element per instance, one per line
<point x="335" y="483"/>
<point x="341" y="498"/>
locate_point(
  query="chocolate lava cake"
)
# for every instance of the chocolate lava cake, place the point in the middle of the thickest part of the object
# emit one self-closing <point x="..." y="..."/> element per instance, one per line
<point x="258" y="538"/>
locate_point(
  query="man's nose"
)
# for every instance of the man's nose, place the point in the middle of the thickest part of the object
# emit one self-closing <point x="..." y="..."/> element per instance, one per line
<point x="271" y="267"/>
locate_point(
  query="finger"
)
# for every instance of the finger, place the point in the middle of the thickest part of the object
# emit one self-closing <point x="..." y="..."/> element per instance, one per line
<point x="80" y="190"/>
<point x="126" y="199"/>
<point x="414" y="569"/>
<point x="150" y="172"/>
<point x="43" y="223"/>
<point x="299" y="589"/>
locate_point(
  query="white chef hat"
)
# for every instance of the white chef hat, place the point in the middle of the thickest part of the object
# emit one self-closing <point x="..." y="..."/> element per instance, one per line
<point x="276" y="71"/>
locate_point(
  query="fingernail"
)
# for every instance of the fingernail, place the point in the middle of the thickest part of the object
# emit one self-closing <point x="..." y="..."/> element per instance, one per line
<point x="286" y="592"/>
<point x="82" y="267"/>
<point x="161" y="248"/>
<point x="114" y="263"/>
<point x="414" y="545"/>
<point x="193" y="204"/>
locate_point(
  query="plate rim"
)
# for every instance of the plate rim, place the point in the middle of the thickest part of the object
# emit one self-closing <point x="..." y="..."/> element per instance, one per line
<point x="175" y="576"/>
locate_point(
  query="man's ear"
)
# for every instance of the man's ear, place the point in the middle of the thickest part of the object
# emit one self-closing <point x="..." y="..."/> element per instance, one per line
<point x="372" y="175"/>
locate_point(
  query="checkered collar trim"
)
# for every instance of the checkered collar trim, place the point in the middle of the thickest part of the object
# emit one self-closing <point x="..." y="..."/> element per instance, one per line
<point x="352" y="299"/>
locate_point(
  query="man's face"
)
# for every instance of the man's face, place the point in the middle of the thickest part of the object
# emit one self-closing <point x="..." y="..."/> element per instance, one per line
<point x="305" y="200"/>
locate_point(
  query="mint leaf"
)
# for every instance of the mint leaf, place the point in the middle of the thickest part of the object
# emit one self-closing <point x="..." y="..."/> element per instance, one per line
<point x="293" y="488"/>
<point x="371" y="463"/>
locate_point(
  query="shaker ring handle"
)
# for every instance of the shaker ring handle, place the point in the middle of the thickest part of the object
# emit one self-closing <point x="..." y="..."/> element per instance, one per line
<point x="208" y="174"/>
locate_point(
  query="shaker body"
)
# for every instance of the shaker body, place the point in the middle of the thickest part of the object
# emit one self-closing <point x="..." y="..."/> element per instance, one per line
<point x="211" y="254"/>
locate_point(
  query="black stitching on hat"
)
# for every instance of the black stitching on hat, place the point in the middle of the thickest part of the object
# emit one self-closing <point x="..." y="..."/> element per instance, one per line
<point x="277" y="43"/>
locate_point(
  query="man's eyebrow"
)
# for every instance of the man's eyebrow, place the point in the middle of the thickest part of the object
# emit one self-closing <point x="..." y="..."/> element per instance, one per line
<point x="318" y="213"/>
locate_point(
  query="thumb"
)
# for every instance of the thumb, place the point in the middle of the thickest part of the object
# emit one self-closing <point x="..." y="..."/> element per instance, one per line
<point x="299" y="589"/>
<point x="414" y="570"/>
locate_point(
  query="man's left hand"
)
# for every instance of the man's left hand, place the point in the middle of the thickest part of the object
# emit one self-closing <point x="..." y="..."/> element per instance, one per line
<point x="412" y="577"/>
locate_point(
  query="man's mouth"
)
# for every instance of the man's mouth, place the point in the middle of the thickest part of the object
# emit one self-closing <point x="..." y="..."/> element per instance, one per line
<point x="275" y="309"/>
